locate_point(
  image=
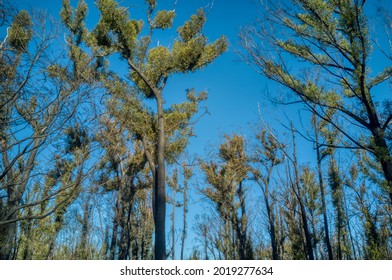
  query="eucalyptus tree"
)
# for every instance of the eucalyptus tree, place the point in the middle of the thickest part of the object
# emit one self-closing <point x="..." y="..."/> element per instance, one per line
<point x="173" y="184"/>
<point x="331" y="43"/>
<point x="38" y="237"/>
<point x="266" y="155"/>
<point x="373" y="217"/>
<point x="180" y="187"/>
<point x="187" y="175"/>
<point x="40" y="91"/>
<point x="122" y="171"/>
<point x="341" y="217"/>
<point x="225" y="189"/>
<point x="321" y="133"/>
<point x="150" y="68"/>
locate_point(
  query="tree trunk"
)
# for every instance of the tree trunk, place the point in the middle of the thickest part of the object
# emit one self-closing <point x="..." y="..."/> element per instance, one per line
<point x="239" y="226"/>
<point x="386" y="164"/>
<point x="113" y="242"/>
<point x="8" y="231"/>
<point x="15" y="192"/>
<point x="184" y="226"/>
<point x="28" y="248"/>
<point x="272" y="230"/>
<point x="173" y="228"/>
<point x="308" y="238"/>
<point x="349" y="228"/>
<point x="270" y="215"/>
<point x="322" y="194"/>
<point x="247" y="244"/>
<point x="160" y="192"/>
<point x="7" y="237"/>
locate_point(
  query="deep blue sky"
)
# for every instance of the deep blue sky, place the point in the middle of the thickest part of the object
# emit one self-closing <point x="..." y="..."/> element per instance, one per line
<point x="234" y="88"/>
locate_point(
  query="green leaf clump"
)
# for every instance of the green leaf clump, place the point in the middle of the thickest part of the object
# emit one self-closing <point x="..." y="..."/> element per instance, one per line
<point x="164" y="19"/>
<point x="20" y="32"/>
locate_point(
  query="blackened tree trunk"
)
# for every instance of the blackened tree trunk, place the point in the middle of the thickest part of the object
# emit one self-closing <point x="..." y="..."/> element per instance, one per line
<point x="184" y="225"/>
<point x="116" y="221"/>
<point x="245" y="244"/>
<point x="272" y="230"/>
<point x="384" y="156"/>
<point x="322" y="191"/>
<point x="298" y="193"/>
<point x="7" y="239"/>
<point x="160" y="195"/>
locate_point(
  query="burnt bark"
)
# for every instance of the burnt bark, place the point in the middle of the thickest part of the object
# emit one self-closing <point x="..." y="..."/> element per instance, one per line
<point x="160" y="192"/>
<point x="322" y="193"/>
<point x="297" y="191"/>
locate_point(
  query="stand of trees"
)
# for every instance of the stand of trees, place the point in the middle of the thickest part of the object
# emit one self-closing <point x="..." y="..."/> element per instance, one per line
<point x="87" y="150"/>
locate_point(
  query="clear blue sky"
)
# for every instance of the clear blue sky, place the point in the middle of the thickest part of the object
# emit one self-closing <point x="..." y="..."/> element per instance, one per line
<point x="234" y="88"/>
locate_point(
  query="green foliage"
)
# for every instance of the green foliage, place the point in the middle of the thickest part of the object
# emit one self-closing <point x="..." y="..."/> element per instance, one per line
<point x="141" y="122"/>
<point x="58" y="71"/>
<point x="157" y="68"/>
<point x="341" y="219"/>
<point x="332" y="38"/>
<point x="186" y="55"/>
<point x="164" y="19"/>
<point x="75" y="20"/>
<point x="40" y="93"/>
<point x="115" y="28"/>
<point x="192" y="27"/>
<point x="224" y="180"/>
<point x="311" y="190"/>
<point x="331" y="43"/>
<point x="151" y="3"/>
<point x="129" y="110"/>
<point x="267" y="151"/>
<point x="192" y="52"/>
<point x="212" y="51"/>
<point x="86" y="66"/>
<point x="20" y="32"/>
<point x="115" y="32"/>
<point x="225" y="189"/>
<point x="77" y="138"/>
